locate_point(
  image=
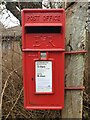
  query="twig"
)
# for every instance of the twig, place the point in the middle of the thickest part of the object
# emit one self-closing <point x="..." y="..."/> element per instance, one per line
<point x="5" y="85"/>
<point x="14" y="103"/>
<point x="86" y="107"/>
<point x="14" y="71"/>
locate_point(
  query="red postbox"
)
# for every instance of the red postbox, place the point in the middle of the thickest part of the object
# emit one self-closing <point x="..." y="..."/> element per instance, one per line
<point x="43" y="46"/>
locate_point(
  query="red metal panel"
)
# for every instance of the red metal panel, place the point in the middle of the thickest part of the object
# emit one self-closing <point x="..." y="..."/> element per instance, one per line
<point x="43" y="31"/>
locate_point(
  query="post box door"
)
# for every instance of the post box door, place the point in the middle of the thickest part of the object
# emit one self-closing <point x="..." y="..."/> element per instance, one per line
<point x="44" y="81"/>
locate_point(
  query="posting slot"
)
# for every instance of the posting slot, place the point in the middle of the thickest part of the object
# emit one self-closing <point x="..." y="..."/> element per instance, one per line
<point x="43" y="29"/>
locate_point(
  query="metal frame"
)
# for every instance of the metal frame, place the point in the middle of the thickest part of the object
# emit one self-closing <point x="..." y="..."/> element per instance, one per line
<point x="75" y="52"/>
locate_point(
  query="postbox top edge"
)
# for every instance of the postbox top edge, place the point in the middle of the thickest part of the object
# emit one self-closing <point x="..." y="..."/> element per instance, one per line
<point x="44" y="10"/>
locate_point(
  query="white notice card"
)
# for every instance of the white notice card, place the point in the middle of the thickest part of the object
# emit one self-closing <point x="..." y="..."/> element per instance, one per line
<point x="43" y="75"/>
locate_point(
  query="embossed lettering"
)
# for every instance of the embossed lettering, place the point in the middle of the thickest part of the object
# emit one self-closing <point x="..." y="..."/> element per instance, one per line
<point x="43" y="40"/>
<point x="33" y="18"/>
<point x="37" y="42"/>
<point x="51" y="18"/>
<point x="43" y="18"/>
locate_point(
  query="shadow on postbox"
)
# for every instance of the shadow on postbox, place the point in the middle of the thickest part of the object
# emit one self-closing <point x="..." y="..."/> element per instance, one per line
<point x="43" y="46"/>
